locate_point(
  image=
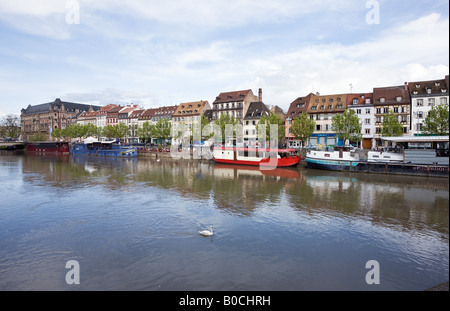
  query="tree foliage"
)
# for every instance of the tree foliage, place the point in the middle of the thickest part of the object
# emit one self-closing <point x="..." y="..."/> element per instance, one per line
<point x="391" y="127"/>
<point x="437" y="120"/>
<point x="347" y="126"/>
<point x="268" y="120"/>
<point x="224" y="120"/>
<point x="303" y="127"/>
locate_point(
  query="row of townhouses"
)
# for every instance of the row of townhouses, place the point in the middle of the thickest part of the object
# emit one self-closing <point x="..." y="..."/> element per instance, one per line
<point x="410" y="102"/>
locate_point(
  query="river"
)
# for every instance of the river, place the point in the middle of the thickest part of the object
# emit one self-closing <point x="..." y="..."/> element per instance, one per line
<point x="132" y="224"/>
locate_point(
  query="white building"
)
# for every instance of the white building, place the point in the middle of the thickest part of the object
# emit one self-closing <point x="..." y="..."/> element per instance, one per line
<point x="362" y="104"/>
<point x="424" y="96"/>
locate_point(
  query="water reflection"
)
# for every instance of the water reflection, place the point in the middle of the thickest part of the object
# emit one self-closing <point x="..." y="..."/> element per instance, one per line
<point x="409" y="202"/>
<point x="133" y="224"/>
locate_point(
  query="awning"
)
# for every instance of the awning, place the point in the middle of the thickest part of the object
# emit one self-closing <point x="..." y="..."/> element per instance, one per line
<point x="416" y="139"/>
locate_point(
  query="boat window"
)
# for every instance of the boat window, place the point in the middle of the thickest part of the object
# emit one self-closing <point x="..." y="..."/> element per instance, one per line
<point x="375" y="156"/>
<point x="386" y="157"/>
<point x="327" y="155"/>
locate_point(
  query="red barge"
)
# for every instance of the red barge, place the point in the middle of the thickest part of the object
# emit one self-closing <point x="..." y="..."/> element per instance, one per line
<point x="49" y="148"/>
<point x="257" y="157"/>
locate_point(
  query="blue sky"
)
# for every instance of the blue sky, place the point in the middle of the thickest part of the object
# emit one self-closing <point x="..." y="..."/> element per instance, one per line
<point x="157" y="53"/>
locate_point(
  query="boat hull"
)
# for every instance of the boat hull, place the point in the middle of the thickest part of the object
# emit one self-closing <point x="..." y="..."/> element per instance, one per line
<point x="48" y="148"/>
<point x="112" y="151"/>
<point x="279" y="162"/>
<point x="380" y="168"/>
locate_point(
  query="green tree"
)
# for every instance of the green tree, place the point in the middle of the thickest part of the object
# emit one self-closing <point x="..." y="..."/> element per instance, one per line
<point x="224" y="120"/>
<point x="57" y="133"/>
<point x="122" y="130"/>
<point x="391" y="127"/>
<point x="91" y="129"/>
<point x="437" y="121"/>
<point x="162" y="129"/>
<point x="268" y="120"/>
<point x="302" y="128"/>
<point x="347" y="126"/>
<point x="110" y="131"/>
<point x="145" y="132"/>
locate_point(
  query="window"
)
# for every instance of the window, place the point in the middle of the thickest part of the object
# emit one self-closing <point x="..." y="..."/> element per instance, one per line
<point x="420" y="114"/>
<point x="385" y="110"/>
<point x="322" y="107"/>
<point x="395" y="109"/>
<point x="443" y="100"/>
<point x="330" y="106"/>
<point x="339" y="106"/>
<point x="404" y="118"/>
<point x="367" y="121"/>
<point x="355" y="101"/>
<point x="419" y="102"/>
<point x="358" y="111"/>
<point x="379" y="110"/>
<point x="317" y="127"/>
<point x="429" y="91"/>
<point x="367" y="111"/>
<point x="382" y="100"/>
<point x="431" y="101"/>
<point x="399" y="98"/>
<point x="403" y="109"/>
<point x="405" y="130"/>
<point x="378" y="119"/>
<point x="368" y="101"/>
<point x="314" y="108"/>
<point x="327" y="127"/>
<point x="419" y="126"/>
<point x="367" y="131"/>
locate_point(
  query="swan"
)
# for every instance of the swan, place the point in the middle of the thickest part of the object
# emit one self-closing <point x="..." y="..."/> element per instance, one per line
<point x="207" y="232"/>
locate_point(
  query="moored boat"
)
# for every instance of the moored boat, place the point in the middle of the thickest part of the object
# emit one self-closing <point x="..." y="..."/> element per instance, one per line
<point x="433" y="161"/>
<point x="267" y="158"/>
<point x="104" y="148"/>
<point x="48" y="147"/>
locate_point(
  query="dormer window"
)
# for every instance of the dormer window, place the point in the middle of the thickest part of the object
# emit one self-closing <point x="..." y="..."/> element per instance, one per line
<point x="444" y="90"/>
<point x="399" y="98"/>
<point x="429" y="91"/>
<point x="437" y="83"/>
<point x="355" y="101"/>
<point x="417" y="85"/>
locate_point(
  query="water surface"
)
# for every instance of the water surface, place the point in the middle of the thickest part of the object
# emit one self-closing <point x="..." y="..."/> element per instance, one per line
<point x="132" y="224"/>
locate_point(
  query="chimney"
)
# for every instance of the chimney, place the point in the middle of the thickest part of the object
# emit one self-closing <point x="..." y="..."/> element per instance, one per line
<point x="260" y="95"/>
<point x="406" y="86"/>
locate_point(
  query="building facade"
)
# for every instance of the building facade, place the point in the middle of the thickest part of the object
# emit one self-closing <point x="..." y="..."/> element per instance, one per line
<point x="395" y="99"/>
<point x="186" y="115"/>
<point x="362" y="104"/>
<point x="234" y="103"/>
<point x="322" y="109"/>
<point x="424" y="96"/>
<point x="44" y="118"/>
<point x="296" y="109"/>
<point x="251" y="119"/>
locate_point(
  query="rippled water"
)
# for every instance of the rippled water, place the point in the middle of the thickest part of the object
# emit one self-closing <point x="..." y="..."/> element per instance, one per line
<point x="133" y="225"/>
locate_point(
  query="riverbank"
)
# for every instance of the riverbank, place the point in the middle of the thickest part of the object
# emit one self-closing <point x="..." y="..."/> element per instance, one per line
<point x="443" y="287"/>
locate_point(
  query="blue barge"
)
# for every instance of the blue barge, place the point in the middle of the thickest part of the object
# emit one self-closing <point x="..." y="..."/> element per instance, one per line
<point x="429" y="157"/>
<point x="107" y="149"/>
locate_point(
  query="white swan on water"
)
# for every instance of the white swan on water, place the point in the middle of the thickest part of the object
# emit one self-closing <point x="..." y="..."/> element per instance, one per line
<point x="207" y="232"/>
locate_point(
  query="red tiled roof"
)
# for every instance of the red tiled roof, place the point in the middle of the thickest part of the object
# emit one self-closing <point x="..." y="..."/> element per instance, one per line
<point x="390" y="94"/>
<point x="231" y="96"/>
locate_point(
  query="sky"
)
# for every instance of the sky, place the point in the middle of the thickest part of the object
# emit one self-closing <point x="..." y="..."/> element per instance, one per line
<point x="161" y="53"/>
